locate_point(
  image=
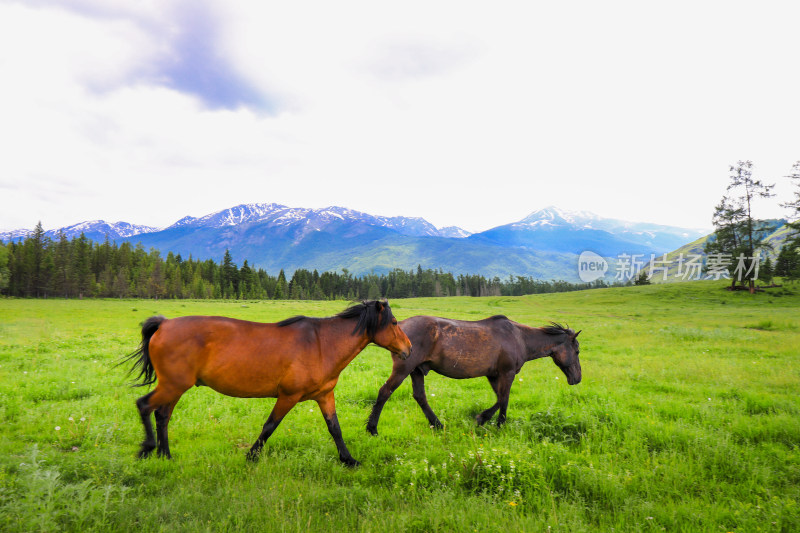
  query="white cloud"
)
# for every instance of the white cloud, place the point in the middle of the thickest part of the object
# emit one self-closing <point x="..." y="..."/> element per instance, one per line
<point x="456" y="112"/>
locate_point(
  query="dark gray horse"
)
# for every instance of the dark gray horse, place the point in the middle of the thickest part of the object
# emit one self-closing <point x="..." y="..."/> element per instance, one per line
<point x="495" y="347"/>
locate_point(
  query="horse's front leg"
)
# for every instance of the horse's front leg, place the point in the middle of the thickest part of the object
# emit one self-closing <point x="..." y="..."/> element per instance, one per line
<point x="327" y="404"/>
<point x="282" y="406"/>
<point x="399" y="373"/>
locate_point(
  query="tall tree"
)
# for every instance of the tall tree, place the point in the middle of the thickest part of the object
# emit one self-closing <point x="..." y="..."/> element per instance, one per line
<point x="735" y="229"/>
<point x="794" y="207"/>
<point x="81" y="261"/>
<point x="229" y="276"/>
<point x="4" y="271"/>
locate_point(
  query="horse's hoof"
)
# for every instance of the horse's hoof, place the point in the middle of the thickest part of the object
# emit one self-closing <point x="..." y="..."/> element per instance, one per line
<point x="252" y="456"/>
<point x="350" y="462"/>
<point x="372" y="431"/>
<point x="165" y="455"/>
<point x="437" y="425"/>
<point x="146" y="450"/>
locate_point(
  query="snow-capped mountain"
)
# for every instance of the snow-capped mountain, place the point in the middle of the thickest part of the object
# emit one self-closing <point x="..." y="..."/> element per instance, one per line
<point x="560" y="230"/>
<point x="276" y="215"/>
<point x="95" y="230"/>
<point x="553" y="216"/>
<point x="545" y="244"/>
<point x="273" y="215"/>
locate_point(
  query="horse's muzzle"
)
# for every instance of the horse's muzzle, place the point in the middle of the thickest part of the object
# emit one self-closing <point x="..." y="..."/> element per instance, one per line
<point x="573" y="374"/>
<point x="404" y="355"/>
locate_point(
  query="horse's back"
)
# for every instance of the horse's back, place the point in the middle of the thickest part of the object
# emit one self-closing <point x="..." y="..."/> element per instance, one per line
<point x="462" y="348"/>
<point x="234" y="357"/>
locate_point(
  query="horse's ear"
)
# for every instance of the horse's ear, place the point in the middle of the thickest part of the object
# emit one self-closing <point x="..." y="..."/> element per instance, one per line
<point x="576" y="335"/>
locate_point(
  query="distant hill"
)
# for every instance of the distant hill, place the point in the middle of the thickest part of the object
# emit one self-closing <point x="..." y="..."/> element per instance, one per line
<point x="543" y="245"/>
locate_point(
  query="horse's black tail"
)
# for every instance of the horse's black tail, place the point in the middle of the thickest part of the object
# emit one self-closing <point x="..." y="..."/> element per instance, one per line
<point x="141" y="357"/>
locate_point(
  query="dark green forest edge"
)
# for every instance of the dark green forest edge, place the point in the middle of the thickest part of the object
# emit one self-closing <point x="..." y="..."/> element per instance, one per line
<point x="39" y="267"/>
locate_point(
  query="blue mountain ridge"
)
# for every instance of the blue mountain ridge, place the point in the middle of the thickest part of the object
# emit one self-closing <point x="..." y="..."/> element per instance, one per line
<point x="544" y="245"/>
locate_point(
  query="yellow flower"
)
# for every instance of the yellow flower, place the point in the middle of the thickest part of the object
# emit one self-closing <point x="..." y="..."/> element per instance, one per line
<point x="512" y="504"/>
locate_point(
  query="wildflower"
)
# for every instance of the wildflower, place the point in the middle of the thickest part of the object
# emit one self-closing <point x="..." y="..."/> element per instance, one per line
<point x="58" y="428"/>
<point x="71" y="419"/>
<point x="512" y="504"/>
<point x="83" y="419"/>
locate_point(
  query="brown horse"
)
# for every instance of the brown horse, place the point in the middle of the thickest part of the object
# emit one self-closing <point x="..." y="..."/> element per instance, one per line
<point x="295" y="360"/>
<point x="495" y="347"/>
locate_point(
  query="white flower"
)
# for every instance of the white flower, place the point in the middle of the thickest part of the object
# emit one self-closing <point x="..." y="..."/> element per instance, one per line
<point x="71" y="419"/>
<point x="58" y="428"/>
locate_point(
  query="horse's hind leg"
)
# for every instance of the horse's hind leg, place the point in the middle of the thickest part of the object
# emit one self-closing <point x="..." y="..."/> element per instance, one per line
<point x="394" y="381"/>
<point x="149" y="443"/>
<point x="418" y="384"/>
<point x="503" y="392"/>
<point x="162" y="401"/>
<point x="502" y="387"/>
<point x="163" y="414"/>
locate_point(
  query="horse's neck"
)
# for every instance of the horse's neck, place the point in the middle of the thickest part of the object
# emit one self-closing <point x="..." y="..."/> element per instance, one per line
<point x="537" y="343"/>
<point x="338" y="344"/>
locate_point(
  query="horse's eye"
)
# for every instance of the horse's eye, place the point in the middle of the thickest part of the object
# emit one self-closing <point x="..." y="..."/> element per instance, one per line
<point x="394" y="321"/>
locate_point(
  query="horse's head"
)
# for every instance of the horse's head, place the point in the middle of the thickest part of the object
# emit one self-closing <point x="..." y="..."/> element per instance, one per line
<point x="565" y="353"/>
<point x="375" y="318"/>
<point x="389" y="335"/>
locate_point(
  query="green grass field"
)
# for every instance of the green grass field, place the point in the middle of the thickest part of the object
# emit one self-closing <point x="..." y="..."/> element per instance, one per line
<point x="687" y="419"/>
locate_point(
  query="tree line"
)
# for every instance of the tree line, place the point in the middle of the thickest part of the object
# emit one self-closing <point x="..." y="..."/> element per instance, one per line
<point x="41" y="267"/>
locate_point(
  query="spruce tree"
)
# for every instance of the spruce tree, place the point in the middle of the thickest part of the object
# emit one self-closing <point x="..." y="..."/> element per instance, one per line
<point x="794" y="207"/>
<point x="735" y="229"/>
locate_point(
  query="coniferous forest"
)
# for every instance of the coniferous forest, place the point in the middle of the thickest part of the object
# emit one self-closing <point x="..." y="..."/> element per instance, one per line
<point x="40" y="267"/>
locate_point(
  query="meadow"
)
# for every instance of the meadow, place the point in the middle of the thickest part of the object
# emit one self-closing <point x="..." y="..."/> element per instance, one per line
<point x="687" y="419"/>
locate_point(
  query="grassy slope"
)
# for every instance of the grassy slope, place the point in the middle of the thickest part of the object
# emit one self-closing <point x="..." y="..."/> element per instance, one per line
<point x="687" y="419"/>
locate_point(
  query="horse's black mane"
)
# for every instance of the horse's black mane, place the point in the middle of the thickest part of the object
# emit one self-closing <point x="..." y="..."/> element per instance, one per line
<point x="292" y="320"/>
<point x="369" y="318"/>
<point x="557" y="329"/>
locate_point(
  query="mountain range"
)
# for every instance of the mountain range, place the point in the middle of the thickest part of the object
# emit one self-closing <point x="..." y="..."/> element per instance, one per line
<point x="544" y="245"/>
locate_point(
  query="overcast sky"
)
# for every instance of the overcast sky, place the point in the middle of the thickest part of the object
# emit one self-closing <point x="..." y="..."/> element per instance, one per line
<point x="470" y="114"/>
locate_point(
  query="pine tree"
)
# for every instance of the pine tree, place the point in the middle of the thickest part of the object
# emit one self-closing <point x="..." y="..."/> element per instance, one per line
<point x="766" y="272"/>
<point x="4" y="270"/>
<point x="81" y="260"/>
<point x="787" y="265"/>
<point x="794" y="207"/>
<point x="735" y="231"/>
